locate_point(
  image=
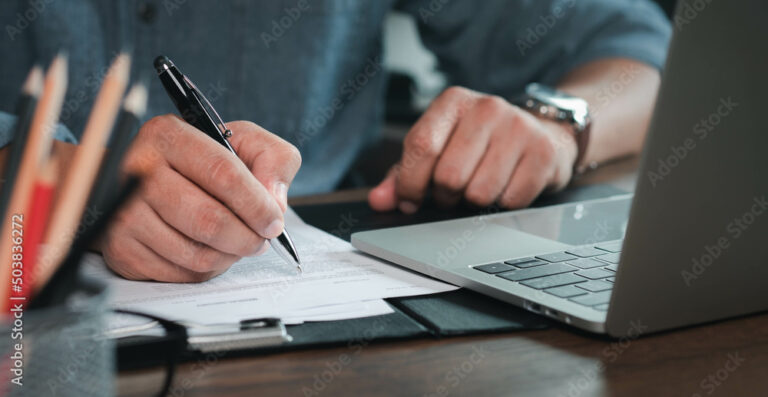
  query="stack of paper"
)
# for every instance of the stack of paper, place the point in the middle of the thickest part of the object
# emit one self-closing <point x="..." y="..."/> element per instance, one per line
<point x="337" y="283"/>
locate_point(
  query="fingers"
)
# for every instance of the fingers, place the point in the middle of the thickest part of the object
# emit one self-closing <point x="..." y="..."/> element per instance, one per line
<point x="383" y="197"/>
<point x="467" y="147"/>
<point x="503" y="155"/>
<point x="221" y="174"/>
<point x="197" y="215"/>
<point x="175" y="247"/>
<point x="272" y="160"/>
<point x="426" y="141"/>
<point x="128" y="256"/>
<point x="527" y="182"/>
<point x="480" y="148"/>
<point x="135" y="261"/>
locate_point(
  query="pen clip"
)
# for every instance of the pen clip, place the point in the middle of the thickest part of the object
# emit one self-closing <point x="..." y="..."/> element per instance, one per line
<point x="226" y="132"/>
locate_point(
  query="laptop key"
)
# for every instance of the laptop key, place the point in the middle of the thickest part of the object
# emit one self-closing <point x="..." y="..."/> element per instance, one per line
<point x="556" y="257"/>
<point x="595" y="274"/>
<point x="566" y="291"/>
<point x="596" y="285"/>
<point x="538" y="271"/>
<point x="585" y="252"/>
<point x="520" y="260"/>
<point x="494" y="268"/>
<point x="613" y="246"/>
<point x="593" y="299"/>
<point x="586" y="263"/>
<point x="614" y="267"/>
<point x="602" y="307"/>
<point x="611" y="279"/>
<point x="610" y="258"/>
<point x="531" y="264"/>
<point x="553" y="281"/>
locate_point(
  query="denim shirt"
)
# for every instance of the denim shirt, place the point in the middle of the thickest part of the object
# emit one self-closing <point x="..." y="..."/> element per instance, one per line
<point x="311" y="70"/>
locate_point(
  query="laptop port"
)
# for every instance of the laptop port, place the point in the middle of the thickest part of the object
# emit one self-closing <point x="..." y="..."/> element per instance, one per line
<point x="552" y="313"/>
<point x="534" y="307"/>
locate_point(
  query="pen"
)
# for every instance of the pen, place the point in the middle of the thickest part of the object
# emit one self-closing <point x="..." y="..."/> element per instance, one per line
<point x="191" y="104"/>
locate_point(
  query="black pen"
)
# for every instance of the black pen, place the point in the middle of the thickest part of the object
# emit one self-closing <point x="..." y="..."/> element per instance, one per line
<point x="191" y="104"/>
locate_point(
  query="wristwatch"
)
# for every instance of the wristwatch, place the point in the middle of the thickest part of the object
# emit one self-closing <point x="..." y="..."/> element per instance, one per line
<point x="556" y="105"/>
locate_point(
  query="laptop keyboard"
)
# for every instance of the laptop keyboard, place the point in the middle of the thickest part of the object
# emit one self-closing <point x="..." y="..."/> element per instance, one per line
<point x="583" y="275"/>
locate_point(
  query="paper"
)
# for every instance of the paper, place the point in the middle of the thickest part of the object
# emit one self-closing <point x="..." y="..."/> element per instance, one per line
<point x="122" y="325"/>
<point x="336" y="278"/>
<point x="344" y="311"/>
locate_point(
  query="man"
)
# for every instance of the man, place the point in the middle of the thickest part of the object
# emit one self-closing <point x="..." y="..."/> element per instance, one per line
<point x="310" y="71"/>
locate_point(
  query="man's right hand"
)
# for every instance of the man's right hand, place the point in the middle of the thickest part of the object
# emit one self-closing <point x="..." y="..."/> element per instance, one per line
<point x="200" y="208"/>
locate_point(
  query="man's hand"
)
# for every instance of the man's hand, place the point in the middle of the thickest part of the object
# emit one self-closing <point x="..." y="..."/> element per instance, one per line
<point x="481" y="148"/>
<point x="200" y="208"/>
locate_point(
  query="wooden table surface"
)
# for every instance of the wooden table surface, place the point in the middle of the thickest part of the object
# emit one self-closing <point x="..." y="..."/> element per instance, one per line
<point x="728" y="358"/>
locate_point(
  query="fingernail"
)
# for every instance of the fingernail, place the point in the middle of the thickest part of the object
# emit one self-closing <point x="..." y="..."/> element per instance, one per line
<point x="261" y="249"/>
<point x="274" y="229"/>
<point x="281" y="192"/>
<point x="408" y="207"/>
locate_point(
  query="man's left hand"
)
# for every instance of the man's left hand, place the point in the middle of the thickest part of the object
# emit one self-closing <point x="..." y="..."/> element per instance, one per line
<point x="481" y="148"/>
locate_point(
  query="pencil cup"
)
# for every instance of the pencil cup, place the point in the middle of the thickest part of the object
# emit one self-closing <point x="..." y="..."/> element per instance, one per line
<point x="59" y="350"/>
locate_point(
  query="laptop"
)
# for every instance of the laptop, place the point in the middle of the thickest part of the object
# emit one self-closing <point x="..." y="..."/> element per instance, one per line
<point x="689" y="247"/>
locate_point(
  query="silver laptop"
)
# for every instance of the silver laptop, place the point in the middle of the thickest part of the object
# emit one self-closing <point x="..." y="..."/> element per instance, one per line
<point x="690" y="247"/>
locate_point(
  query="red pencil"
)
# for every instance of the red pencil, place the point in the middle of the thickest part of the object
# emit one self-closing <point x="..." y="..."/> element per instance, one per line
<point x="39" y="210"/>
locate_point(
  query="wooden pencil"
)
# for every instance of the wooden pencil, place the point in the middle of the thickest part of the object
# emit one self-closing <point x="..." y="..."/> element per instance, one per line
<point x="25" y="110"/>
<point x="76" y="186"/>
<point x="108" y="181"/>
<point x="38" y="210"/>
<point x="38" y="145"/>
<point x="64" y="281"/>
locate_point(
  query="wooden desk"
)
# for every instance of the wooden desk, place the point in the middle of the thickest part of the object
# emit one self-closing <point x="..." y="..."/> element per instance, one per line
<point x="723" y="359"/>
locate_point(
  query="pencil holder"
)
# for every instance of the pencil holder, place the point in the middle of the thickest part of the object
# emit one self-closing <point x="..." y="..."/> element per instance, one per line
<point x="59" y="350"/>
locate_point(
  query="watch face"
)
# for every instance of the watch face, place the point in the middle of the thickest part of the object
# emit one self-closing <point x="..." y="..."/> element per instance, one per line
<point x="577" y="107"/>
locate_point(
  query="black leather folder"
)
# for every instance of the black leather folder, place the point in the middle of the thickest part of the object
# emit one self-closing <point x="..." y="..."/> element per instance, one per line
<point x="460" y="312"/>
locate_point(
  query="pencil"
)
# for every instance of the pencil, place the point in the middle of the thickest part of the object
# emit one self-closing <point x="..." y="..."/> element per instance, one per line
<point x="25" y="109"/>
<point x="34" y="227"/>
<point x="73" y="194"/>
<point x="38" y="144"/>
<point x="108" y="181"/>
<point x="64" y="280"/>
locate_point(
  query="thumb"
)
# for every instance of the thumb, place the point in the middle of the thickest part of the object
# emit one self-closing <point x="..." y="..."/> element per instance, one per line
<point x="384" y="197"/>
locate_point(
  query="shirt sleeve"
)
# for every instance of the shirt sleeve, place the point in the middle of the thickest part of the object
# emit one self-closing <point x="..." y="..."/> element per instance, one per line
<point x="499" y="46"/>
<point x="8" y="121"/>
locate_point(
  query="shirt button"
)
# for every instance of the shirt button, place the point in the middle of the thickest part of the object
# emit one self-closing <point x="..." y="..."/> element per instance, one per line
<point x="147" y="12"/>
